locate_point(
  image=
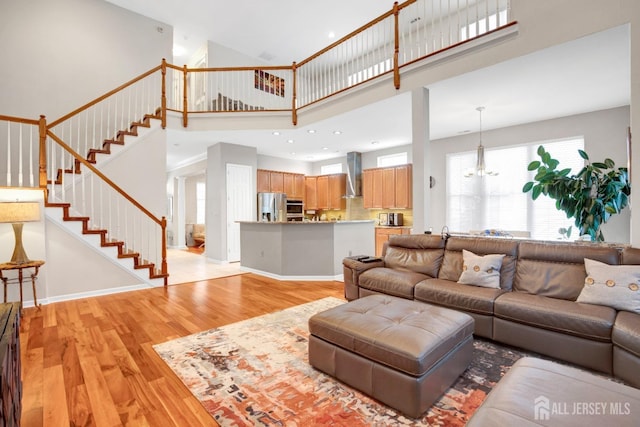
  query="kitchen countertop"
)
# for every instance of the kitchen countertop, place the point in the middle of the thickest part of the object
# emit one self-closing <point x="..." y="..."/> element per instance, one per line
<point x="394" y="226"/>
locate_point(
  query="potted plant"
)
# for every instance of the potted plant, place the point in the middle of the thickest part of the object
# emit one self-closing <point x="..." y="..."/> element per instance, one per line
<point x="591" y="196"/>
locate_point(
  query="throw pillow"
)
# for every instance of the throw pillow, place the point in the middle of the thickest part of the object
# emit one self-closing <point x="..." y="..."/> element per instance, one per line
<point x="616" y="286"/>
<point x="480" y="270"/>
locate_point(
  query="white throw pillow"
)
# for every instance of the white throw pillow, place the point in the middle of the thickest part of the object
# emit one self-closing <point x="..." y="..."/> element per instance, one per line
<point x="481" y="271"/>
<point x="616" y="286"/>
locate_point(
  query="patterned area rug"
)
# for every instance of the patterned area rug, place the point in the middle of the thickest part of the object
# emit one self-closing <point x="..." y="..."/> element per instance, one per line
<point x="256" y="372"/>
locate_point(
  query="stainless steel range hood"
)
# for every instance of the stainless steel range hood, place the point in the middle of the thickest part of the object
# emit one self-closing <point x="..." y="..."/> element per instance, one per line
<point x="354" y="175"/>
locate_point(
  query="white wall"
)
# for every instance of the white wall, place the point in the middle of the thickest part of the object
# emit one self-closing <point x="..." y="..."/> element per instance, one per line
<point x="218" y="156"/>
<point x="284" y="165"/>
<point x="59" y="55"/>
<point x="605" y="134"/>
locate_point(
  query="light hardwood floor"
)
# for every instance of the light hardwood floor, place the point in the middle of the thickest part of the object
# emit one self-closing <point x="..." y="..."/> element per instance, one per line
<point x="90" y="362"/>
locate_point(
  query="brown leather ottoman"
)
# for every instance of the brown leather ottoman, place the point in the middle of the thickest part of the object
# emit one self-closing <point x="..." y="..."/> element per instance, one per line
<point x="538" y="392"/>
<point x="401" y="352"/>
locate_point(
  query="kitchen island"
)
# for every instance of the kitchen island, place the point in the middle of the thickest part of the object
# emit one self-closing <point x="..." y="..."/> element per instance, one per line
<point x="303" y="250"/>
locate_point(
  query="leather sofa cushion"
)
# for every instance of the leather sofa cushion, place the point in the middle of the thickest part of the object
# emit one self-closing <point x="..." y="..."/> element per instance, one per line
<point x="399" y="283"/>
<point x="556" y="270"/>
<point x="626" y="332"/>
<point x="452" y="263"/>
<point x="420" y="253"/>
<point x="474" y="299"/>
<point x="515" y="400"/>
<point x="594" y="322"/>
<point x="409" y="336"/>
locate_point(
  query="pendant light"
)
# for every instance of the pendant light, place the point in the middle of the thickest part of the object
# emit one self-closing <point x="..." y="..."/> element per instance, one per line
<point x="481" y="169"/>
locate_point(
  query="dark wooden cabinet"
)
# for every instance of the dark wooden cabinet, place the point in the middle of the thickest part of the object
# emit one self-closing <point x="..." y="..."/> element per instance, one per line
<point x="10" y="377"/>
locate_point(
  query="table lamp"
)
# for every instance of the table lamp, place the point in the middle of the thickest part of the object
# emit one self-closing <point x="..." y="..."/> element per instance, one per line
<point x="17" y="213"/>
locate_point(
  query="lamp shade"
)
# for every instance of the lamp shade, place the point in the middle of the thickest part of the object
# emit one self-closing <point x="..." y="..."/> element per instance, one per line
<point x="14" y="212"/>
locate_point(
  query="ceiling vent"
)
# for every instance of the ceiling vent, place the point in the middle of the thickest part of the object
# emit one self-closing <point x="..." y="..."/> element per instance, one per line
<point x="354" y="175"/>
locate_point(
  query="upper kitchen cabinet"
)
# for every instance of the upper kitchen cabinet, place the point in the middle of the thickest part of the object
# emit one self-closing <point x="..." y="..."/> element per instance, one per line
<point x="292" y="184"/>
<point x="310" y="192"/>
<point x="264" y="181"/>
<point x="337" y="189"/>
<point x="387" y="188"/>
<point x="404" y="187"/>
<point x="325" y="191"/>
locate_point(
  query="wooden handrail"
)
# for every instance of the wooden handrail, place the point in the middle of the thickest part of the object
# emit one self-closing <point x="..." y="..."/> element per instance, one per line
<point x="348" y="36"/>
<point x="19" y="120"/>
<point x="102" y="176"/>
<point x="103" y="97"/>
<point x="257" y="67"/>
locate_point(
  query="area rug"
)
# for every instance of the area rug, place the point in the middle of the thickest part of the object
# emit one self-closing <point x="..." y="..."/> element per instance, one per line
<point x="256" y="372"/>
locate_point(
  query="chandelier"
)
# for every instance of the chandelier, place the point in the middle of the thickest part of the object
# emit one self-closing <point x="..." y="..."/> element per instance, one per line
<point x="480" y="169"/>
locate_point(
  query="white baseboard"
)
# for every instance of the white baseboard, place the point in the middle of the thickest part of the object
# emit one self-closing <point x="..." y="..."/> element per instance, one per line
<point x="89" y="294"/>
<point x="336" y="278"/>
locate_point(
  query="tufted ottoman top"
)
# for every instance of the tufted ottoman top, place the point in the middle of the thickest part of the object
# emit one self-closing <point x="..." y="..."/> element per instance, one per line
<point x="406" y="335"/>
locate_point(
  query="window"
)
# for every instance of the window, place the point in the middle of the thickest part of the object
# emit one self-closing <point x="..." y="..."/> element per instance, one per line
<point x="392" y="160"/>
<point x="201" y="202"/>
<point x="497" y="202"/>
<point x="480" y="27"/>
<point x="329" y="169"/>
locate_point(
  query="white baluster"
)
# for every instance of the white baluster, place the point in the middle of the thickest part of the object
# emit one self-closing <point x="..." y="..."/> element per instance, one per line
<point x="9" y="154"/>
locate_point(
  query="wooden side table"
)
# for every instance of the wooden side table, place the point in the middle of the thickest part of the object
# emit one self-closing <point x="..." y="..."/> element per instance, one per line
<point x="35" y="265"/>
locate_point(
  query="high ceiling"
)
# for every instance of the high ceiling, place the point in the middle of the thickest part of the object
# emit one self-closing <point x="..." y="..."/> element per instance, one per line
<point x="584" y="75"/>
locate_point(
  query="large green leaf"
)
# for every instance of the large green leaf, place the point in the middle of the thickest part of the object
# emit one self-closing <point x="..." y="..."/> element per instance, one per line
<point x="533" y="165"/>
<point x="527" y="187"/>
<point x="583" y="155"/>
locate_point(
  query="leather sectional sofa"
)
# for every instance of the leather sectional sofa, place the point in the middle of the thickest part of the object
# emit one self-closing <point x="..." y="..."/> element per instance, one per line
<point x="533" y="308"/>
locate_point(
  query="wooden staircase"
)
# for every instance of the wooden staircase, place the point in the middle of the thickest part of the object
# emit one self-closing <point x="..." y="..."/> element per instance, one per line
<point x="138" y="262"/>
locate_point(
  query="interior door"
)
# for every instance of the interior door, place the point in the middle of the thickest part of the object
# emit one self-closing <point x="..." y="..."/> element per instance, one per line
<point x="239" y="206"/>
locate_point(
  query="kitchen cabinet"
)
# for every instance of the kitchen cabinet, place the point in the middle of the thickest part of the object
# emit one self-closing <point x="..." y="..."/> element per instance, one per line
<point x="387" y="188"/>
<point x="325" y="191"/>
<point x="367" y="188"/>
<point x="310" y="192"/>
<point x="276" y="182"/>
<point x="322" y="192"/>
<point x="264" y="181"/>
<point x="383" y="233"/>
<point x="404" y="187"/>
<point x="337" y="189"/>
<point x="292" y="184"/>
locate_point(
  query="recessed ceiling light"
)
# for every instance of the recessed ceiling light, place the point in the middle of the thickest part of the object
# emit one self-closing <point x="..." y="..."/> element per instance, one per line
<point x="331" y="34"/>
<point x="325" y="148"/>
<point x="275" y="132"/>
<point x="311" y="131"/>
<point x="337" y="132"/>
<point x="293" y="153"/>
<point x="290" y="141"/>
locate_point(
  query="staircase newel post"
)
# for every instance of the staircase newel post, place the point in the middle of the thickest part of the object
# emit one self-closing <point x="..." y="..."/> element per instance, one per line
<point x="42" y="166"/>
<point x="396" y="47"/>
<point x="163" y="112"/>
<point x="164" y="249"/>
<point x="294" y="102"/>
<point x="184" y="96"/>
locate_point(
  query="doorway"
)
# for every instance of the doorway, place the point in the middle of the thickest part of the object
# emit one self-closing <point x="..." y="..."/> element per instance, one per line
<point x="240" y="192"/>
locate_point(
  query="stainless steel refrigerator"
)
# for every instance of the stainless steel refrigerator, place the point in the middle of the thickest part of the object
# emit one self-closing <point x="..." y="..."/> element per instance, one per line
<point x="272" y="207"/>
